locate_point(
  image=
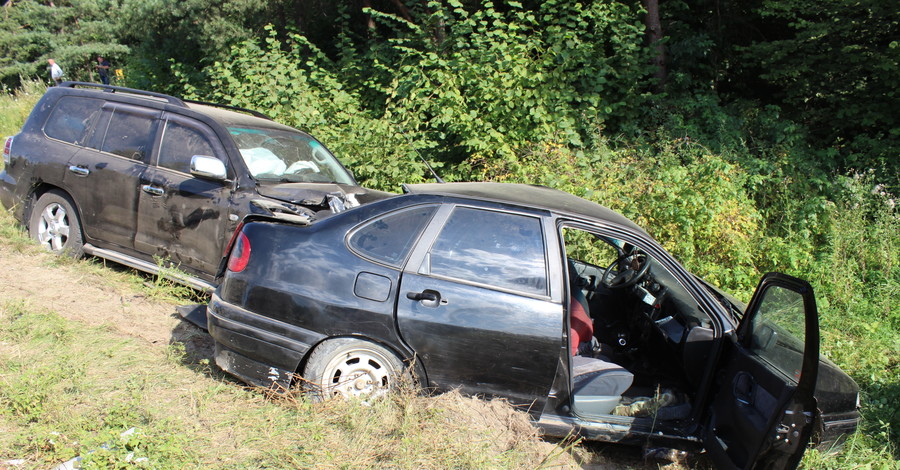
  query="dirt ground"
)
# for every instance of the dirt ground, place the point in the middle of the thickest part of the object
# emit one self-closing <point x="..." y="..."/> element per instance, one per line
<point x="91" y="298"/>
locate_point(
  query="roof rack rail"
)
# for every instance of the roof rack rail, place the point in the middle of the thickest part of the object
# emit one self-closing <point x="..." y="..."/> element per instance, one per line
<point x="113" y="89"/>
<point x="232" y="108"/>
<point x="170" y="99"/>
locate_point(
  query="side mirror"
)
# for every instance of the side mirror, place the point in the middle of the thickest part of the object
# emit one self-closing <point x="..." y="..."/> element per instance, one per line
<point x="203" y="166"/>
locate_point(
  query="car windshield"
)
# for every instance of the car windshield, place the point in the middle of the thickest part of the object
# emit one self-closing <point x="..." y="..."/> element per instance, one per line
<point x="287" y="157"/>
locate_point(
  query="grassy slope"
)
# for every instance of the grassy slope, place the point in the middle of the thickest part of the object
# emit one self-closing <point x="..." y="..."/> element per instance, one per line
<point x="74" y="382"/>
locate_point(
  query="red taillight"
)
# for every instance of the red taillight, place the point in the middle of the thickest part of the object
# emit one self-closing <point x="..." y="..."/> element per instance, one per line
<point x="6" y="149"/>
<point x="240" y="255"/>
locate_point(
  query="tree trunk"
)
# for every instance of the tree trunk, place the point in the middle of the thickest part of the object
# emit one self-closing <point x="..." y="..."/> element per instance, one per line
<point x="654" y="38"/>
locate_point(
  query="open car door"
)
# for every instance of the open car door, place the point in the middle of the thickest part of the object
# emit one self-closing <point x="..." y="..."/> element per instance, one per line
<point x="761" y="415"/>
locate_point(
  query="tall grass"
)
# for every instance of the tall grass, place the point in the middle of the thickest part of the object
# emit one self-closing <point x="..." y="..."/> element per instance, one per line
<point x="17" y="105"/>
<point x="73" y="390"/>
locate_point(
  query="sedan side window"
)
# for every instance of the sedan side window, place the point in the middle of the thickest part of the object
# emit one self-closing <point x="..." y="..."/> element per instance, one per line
<point x="778" y="330"/>
<point x="389" y="239"/>
<point x="493" y="248"/>
<point x="179" y="144"/>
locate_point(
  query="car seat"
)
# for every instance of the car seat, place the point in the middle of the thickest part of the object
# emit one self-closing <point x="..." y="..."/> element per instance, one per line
<point x="597" y="384"/>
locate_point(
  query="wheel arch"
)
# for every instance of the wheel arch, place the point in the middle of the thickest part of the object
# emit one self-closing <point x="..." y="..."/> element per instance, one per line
<point x="39" y="189"/>
<point x="419" y="373"/>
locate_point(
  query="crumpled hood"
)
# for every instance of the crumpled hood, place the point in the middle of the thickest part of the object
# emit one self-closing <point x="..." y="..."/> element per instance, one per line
<point x="315" y="195"/>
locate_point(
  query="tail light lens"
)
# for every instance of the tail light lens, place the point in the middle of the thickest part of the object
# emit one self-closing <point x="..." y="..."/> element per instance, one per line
<point x="240" y="255"/>
<point x="6" y="147"/>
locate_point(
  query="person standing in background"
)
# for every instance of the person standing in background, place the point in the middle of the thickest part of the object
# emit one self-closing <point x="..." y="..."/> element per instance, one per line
<point x="56" y="72"/>
<point x="103" y="69"/>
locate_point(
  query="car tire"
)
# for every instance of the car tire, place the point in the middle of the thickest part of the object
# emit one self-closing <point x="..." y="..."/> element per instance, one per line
<point x="54" y="223"/>
<point x="351" y="368"/>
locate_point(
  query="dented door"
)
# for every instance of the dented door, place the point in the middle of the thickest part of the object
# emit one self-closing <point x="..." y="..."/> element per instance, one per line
<point x="184" y="219"/>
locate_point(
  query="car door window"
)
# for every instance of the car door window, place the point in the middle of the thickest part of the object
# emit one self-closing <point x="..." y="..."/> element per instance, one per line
<point x="71" y="119"/>
<point x="181" y="142"/>
<point x="130" y="134"/>
<point x="778" y="330"/>
<point x="389" y="239"/>
<point x="492" y="248"/>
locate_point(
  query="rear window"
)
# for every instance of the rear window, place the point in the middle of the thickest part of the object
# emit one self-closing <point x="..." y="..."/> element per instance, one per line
<point x="71" y="119"/>
<point x="389" y="239"/>
<point x="129" y="134"/>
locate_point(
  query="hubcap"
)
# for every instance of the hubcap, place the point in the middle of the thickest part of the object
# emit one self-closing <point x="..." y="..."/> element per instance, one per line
<point x="53" y="228"/>
<point x="358" y="373"/>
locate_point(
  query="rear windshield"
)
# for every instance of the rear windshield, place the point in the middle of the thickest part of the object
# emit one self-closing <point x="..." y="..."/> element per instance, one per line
<point x="288" y="157"/>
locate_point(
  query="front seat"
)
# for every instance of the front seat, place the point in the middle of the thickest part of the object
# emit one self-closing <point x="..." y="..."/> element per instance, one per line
<point x="598" y="385"/>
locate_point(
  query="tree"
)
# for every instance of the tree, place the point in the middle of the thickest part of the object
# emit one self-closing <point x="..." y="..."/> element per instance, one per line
<point x="73" y="33"/>
<point x="655" y="40"/>
<point x="835" y="66"/>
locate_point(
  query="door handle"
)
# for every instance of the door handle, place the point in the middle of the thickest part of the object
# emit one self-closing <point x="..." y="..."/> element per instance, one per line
<point x="426" y="295"/>
<point x="152" y="190"/>
<point x="79" y="170"/>
<point x="427" y="298"/>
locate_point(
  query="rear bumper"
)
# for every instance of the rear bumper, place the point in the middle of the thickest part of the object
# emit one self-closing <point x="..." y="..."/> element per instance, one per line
<point x="257" y="349"/>
<point x="8" y="194"/>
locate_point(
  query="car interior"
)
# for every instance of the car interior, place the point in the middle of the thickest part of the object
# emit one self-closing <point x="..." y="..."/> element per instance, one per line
<point x="639" y="340"/>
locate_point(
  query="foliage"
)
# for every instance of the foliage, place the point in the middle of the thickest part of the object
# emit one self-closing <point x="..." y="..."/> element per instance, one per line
<point x="857" y="278"/>
<point x="564" y="71"/>
<point x="836" y="66"/>
<point x="501" y="80"/>
<point x="179" y="38"/>
<point x="829" y="67"/>
<point x="313" y="97"/>
<point x="17" y="105"/>
<point x="72" y="33"/>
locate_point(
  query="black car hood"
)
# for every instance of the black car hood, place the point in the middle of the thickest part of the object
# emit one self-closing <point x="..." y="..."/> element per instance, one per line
<point x="315" y="195"/>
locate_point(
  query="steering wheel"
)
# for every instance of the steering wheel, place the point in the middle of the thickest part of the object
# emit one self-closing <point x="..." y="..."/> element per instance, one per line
<point x="627" y="275"/>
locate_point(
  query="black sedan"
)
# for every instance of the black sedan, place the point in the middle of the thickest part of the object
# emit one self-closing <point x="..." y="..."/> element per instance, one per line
<point x="532" y="294"/>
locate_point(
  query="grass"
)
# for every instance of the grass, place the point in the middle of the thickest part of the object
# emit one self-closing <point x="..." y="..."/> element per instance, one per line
<point x="17" y="105"/>
<point x="69" y="389"/>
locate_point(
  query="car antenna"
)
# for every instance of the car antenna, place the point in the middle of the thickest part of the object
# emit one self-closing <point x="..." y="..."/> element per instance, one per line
<point x="427" y="165"/>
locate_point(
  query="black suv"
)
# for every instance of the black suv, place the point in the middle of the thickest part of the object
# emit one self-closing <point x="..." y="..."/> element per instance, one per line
<point x="151" y="180"/>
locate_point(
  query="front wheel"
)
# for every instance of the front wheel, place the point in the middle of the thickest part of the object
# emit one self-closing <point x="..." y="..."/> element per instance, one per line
<point x="55" y="225"/>
<point x="351" y="368"/>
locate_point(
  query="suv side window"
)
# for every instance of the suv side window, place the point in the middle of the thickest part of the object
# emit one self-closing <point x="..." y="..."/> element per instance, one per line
<point x="130" y="134"/>
<point x="72" y="118"/>
<point x="180" y="142"/>
<point x="492" y="248"/>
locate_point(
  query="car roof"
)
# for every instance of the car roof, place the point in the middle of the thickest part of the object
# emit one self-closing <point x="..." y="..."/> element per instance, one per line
<point x="229" y="118"/>
<point x="224" y="115"/>
<point x="527" y="195"/>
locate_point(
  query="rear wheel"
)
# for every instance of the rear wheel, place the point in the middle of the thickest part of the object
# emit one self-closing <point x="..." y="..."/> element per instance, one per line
<point x="55" y="225"/>
<point x="351" y="368"/>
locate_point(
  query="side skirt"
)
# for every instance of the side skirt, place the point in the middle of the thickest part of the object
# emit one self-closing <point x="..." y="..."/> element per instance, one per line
<point x="148" y="267"/>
